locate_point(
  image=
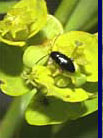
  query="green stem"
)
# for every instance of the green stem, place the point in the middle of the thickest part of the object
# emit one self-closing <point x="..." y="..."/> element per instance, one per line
<point x="15" y="115"/>
<point x="65" y="9"/>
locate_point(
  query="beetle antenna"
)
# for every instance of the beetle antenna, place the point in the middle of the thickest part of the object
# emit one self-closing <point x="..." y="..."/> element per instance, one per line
<point x="48" y="54"/>
<point x="41" y="59"/>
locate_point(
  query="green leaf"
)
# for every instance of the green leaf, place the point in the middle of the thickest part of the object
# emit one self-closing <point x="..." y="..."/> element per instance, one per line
<point x="23" y="21"/>
<point x="82" y="15"/>
<point x="65" y="9"/>
<point x="91" y="23"/>
<point x="11" y="68"/>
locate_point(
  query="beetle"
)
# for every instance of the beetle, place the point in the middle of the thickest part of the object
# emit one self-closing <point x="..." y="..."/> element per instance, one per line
<point x="63" y="61"/>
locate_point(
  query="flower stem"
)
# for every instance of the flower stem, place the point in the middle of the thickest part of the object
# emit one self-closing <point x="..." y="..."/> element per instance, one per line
<point x="15" y="115"/>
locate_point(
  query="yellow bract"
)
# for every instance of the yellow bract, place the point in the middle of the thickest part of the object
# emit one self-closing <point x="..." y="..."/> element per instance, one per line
<point x="83" y="48"/>
<point x="23" y="21"/>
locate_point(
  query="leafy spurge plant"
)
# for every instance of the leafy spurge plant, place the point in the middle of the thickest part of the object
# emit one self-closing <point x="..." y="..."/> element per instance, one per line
<point x="58" y="94"/>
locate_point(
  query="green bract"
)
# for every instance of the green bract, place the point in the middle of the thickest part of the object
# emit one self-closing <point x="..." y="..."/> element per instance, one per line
<point x="23" y="21"/>
<point x="50" y="31"/>
<point x="57" y="111"/>
<point x="11" y="68"/>
<point x="52" y="28"/>
<point x="35" y="55"/>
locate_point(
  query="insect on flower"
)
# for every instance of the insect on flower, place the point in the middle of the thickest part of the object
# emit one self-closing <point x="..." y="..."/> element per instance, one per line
<point x="63" y="61"/>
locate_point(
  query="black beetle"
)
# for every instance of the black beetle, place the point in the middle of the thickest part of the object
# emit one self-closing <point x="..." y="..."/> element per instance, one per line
<point x="63" y="61"/>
